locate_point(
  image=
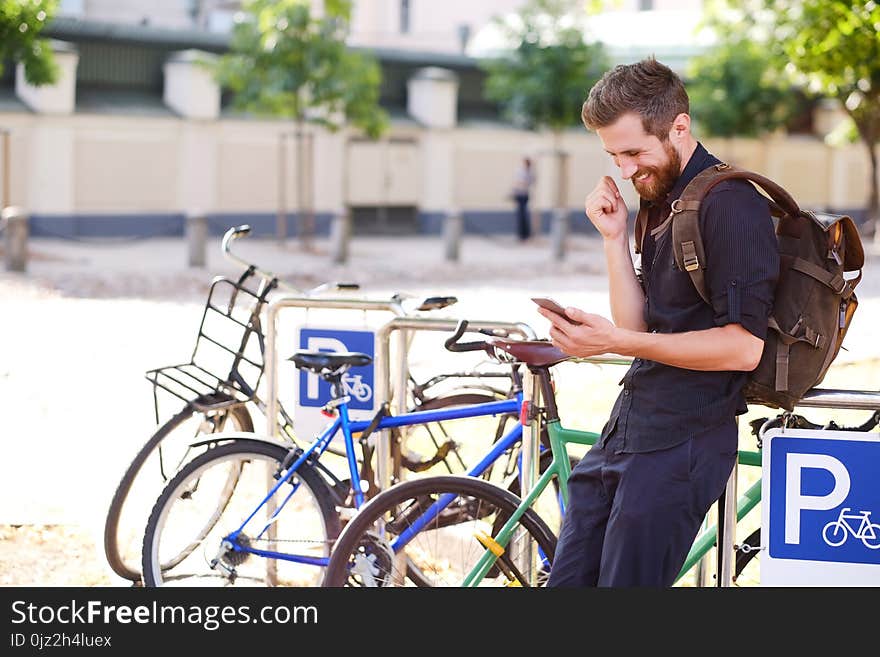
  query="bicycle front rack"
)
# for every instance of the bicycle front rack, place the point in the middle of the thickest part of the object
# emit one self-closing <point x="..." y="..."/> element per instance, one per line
<point x="230" y="339"/>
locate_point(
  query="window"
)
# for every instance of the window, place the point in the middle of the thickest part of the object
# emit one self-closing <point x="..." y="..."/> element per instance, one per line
<point x="404" y="16"/>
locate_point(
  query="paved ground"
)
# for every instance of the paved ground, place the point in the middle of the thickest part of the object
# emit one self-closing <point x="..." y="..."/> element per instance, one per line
<point x="86" y="320"/>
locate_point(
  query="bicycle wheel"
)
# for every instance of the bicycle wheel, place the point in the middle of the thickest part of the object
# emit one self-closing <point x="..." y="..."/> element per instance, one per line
<point x="212" y="495"/>
<point x="445" y="548"/>
<point x="148" y="473"/>
<point x="452" y="446"/>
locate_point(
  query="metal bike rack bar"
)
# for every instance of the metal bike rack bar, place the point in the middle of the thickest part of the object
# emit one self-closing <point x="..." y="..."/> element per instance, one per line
<point x="286" y="301"/>
<point x="843" y="399"/>
<point x="383" y="372"/>
<point x="815" y="398"/>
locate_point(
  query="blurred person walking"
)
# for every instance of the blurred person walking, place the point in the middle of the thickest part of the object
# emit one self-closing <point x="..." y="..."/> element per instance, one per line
<point x="522" y="186"/>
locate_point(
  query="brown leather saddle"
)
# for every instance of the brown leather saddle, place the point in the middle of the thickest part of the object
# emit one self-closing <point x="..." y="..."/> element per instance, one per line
<point x="536" y="353"/>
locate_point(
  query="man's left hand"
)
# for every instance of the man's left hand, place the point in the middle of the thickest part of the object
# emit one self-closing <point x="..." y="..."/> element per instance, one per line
<point x="593" y="336"/>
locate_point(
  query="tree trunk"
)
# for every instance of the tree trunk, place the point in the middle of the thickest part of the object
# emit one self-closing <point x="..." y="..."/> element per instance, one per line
<point x="559" y="219"/>
<point x="304" y="218"/>
<point x="868" y="126"/>
<point x="561" y="172"/>
<point x="873" y="210"/>
<point x="281" y="219"/>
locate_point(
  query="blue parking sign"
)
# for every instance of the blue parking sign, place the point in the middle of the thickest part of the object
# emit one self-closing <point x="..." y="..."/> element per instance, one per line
<point x="358" y="381"/>
<point x="821" y="508"/>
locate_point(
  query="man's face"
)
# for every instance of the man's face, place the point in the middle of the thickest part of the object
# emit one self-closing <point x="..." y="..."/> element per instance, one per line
<point x="652" y="165"/>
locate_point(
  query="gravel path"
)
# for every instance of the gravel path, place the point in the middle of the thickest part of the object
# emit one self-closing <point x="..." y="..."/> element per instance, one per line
<point x="88" y="319"/>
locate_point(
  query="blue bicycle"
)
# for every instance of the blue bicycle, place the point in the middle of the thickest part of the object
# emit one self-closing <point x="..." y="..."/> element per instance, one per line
<point x="254" y="512"/>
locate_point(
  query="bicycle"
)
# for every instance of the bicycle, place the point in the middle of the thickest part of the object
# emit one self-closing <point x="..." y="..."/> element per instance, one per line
<point x="837" y="531"/>
<point x="218" y="389"/>
<point x="280" y="521"/>
<point x="498" y="538"/>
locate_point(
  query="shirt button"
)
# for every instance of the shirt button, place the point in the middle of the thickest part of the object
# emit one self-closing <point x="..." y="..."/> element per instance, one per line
<point x="626" y="392"/>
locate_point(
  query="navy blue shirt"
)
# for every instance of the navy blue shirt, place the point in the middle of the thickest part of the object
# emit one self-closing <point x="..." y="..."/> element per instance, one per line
<point x="661" y="406"/>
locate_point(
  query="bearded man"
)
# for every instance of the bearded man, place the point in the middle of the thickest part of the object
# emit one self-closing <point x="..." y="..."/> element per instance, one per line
<point x="639" y="495"/>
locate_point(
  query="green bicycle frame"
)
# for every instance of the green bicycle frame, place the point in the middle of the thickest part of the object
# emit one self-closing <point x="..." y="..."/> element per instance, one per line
<point x="560" y="438"/>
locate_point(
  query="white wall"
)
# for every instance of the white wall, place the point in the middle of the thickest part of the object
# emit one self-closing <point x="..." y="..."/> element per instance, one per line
<point x="87" y="163"/>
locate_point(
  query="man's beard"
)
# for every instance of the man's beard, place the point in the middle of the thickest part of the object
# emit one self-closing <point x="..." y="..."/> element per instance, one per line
<point x="661" y="179"/>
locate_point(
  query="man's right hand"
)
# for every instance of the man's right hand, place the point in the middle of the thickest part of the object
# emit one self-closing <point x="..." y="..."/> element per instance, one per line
<point x="606" y="210"/>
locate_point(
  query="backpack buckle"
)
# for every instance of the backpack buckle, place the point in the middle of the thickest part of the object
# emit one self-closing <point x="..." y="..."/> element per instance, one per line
<point x="689" y="256"/>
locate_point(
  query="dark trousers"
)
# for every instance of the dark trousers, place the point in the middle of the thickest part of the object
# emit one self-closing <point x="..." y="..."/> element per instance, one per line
<point x="523" y="222"/>
<point x="632" y="518"/>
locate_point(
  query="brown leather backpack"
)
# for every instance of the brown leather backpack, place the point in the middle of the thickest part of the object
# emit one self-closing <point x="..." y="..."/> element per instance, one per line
<point x="821" y="258"/>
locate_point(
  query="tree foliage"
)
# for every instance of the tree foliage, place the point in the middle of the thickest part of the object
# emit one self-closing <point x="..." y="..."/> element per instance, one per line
<point x="735" y="91"/>
<point x="831" y="47"/>
<point x="543" y="79"/>
<point x="286" y="61"/>
<point x="21" y="22"/>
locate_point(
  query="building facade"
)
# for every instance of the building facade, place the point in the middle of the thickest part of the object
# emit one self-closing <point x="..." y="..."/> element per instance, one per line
<point x="135" y="136"/>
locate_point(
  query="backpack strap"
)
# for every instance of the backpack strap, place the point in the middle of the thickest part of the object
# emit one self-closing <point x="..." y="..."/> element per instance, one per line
<point x="641" y="225"/>
<point x="687" y="243"/>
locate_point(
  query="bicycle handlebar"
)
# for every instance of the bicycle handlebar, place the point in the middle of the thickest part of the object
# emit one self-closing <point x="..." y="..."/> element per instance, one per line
<point x="452" y="343"/>
<point x="244" y="230"/>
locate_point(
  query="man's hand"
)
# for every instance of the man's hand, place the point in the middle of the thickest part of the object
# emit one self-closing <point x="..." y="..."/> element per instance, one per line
<point x="593" y="336"/>
<point x="604" y="207"/>
<point x="720" y="348"/>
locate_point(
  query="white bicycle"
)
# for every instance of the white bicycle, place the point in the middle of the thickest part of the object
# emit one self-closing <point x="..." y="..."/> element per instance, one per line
<point x="837" y="531"/>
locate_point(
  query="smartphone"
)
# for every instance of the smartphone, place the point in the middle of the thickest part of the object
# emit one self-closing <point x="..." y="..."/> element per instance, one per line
<point x="553" y="306"/>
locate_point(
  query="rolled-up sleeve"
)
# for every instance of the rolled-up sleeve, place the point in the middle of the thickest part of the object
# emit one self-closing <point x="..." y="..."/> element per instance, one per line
<point x="742" y="256"/>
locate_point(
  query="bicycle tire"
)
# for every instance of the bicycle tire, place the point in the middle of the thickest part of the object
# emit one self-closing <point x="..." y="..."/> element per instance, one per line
<point x="476" y="503"/>
<point x="308" y="518"/>
<point x="123" y="553"/>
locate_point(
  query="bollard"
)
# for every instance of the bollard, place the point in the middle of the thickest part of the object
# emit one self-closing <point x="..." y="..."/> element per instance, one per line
<point x="559" y="232"/>
<point x="196" y="238"/>
<point x="340" y="236"/>
<point x="15" y="223"/>
<point x="453" y="227"/>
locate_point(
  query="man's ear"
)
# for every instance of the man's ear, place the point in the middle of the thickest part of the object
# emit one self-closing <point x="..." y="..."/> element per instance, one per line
<point x="681" y="128"/>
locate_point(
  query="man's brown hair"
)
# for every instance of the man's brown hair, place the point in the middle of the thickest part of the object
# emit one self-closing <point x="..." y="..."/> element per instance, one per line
<point x="647" y="88"/>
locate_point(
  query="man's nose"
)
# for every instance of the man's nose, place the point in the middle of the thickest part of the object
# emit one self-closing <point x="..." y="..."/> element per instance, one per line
<point x="628" y="169"/>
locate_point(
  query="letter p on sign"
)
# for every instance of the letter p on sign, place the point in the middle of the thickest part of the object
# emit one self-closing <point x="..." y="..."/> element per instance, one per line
<point x="795" y="501"/>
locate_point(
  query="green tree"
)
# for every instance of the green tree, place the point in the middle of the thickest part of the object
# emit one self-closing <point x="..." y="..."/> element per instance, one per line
<point x="287" y="61"/>
<point x="21" y="22"/>
<point x="542" y="80"/>
<point x="734" y="91"/>
<point x="832" y="48"/>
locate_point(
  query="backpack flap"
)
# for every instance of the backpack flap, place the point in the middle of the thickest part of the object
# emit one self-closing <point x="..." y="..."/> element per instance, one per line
<point x="843" y="238"/>
<point x="845" y="253"/>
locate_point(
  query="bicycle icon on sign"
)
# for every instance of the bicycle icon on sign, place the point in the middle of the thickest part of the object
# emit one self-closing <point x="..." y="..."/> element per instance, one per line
<point x="355" y="386"/>
<point x="837" y="531"/>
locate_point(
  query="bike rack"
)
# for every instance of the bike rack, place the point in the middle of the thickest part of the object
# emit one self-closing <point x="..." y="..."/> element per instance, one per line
<point x="815" y="398"/>
<point x="274" y="307"/>
<point x="383" y="385"/>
